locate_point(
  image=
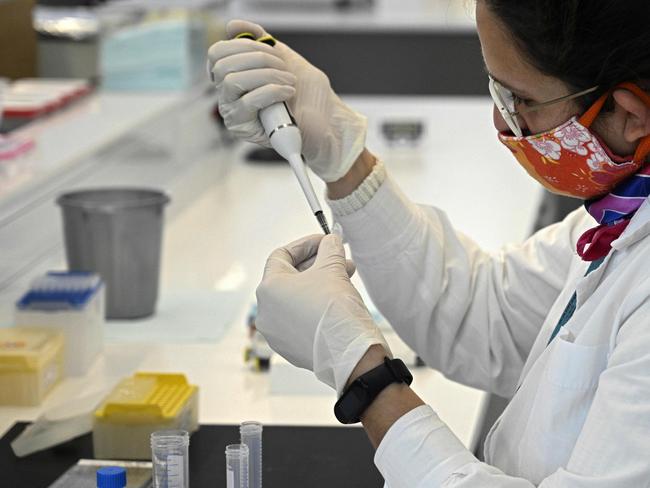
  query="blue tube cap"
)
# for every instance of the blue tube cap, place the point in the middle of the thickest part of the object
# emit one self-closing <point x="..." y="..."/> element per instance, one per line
<point x="111" y="477"/>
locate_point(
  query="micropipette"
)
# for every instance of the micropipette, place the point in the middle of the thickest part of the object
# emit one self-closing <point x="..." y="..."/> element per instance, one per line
<point x="284" y="134"/>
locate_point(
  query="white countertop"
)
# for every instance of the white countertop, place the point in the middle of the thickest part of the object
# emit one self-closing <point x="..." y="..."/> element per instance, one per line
<point x="228" y="215"/>
<point x="75" y="134"/>
<point x="68" y="148"/>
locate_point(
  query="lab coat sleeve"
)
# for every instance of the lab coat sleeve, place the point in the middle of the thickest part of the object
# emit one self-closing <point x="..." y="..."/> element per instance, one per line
<point x="472" y="315"/>
<point x="419" y="451"/>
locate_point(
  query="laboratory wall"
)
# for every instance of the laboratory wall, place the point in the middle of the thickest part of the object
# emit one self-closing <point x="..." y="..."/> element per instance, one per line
<point x="399" y="62"/>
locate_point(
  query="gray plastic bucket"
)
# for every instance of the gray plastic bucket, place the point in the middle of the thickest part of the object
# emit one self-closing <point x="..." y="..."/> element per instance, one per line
<point x="117" y="232"/>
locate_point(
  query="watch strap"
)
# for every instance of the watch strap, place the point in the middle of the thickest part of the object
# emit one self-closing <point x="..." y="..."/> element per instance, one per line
<point x="363" y="391"/>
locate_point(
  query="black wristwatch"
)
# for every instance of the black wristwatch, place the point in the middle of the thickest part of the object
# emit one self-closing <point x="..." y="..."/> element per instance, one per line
<point x="363" y="391"/>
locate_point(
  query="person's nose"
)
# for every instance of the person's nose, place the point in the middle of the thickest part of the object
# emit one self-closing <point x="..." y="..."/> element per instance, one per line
<point x="499" y="122"/>
<point x="501" y="125"/>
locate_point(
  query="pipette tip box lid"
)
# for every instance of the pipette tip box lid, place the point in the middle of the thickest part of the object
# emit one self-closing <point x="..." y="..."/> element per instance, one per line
<point x="72" y="302"/>
<point x="31" y="364"/>
<point x="137" y="407"/>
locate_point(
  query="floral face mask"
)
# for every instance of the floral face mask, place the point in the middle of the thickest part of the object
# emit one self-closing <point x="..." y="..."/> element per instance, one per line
<point x="572" y="160"/>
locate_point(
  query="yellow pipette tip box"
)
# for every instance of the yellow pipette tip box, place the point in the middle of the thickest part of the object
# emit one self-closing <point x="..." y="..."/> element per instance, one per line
<point x="31" y="364"/>
<point x="137" y="407"/>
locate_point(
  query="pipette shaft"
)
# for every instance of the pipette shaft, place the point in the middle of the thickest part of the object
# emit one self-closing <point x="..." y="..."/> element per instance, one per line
<point x="286" y="140"/>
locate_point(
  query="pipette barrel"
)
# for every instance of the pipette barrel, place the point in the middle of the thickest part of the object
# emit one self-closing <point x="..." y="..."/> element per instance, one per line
<point x="286" y="140"/>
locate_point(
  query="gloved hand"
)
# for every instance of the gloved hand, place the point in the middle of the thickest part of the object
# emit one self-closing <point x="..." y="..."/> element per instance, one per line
<point x="251" y="75"/>
<point x="315" y="318"/>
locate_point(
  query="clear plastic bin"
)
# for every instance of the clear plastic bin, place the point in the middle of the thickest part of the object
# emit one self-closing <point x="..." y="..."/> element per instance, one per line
<point x="31" y="364"/>
<point x="137" y="407"/>
<point x="72" y="303"/>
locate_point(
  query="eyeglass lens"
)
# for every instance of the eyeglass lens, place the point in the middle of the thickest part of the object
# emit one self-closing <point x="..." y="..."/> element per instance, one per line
<point x="507" y="100"/>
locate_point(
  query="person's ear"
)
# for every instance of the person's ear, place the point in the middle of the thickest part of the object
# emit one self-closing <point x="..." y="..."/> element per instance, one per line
<point x="637" y="120"/>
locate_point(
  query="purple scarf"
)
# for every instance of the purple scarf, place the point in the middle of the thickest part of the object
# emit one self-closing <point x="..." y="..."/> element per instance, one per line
<point x="613" y="212"/>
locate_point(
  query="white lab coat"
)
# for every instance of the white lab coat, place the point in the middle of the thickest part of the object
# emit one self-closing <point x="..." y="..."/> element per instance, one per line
<point x="580" y="409"/>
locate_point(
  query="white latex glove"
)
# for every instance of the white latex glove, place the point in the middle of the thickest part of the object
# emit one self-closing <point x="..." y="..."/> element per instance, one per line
<point x="251" y="75"/>
<point x="315" y="318"/>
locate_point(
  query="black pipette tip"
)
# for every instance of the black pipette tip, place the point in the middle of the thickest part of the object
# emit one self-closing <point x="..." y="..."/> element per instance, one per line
<point x="323" y="222"/>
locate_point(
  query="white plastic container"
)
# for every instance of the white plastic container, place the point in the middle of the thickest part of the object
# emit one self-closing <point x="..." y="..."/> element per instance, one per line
<point x="31" y="364"/>
<point x="74" y="304"/>
<point x="30" y="98"/>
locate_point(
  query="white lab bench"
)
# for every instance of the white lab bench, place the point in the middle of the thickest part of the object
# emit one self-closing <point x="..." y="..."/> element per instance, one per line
<point x="227" y="215"/>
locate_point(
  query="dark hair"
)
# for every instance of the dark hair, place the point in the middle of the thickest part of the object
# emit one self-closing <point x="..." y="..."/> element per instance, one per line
<point x="581" y="42"/>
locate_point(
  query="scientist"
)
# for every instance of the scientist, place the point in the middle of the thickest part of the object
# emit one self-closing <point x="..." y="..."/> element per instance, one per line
<point x="560" y="324"/>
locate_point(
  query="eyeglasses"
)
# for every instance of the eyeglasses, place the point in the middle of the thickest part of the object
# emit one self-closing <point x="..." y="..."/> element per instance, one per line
<point x="506" y="102"/>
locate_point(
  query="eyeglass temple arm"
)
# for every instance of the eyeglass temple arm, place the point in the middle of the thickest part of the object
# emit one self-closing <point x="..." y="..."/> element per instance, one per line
<point x="556" y="100"/>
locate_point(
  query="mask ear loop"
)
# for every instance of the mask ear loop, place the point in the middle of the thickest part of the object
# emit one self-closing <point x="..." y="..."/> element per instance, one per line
<point x="592" y="112"/>
<point x="643" y="149"/>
